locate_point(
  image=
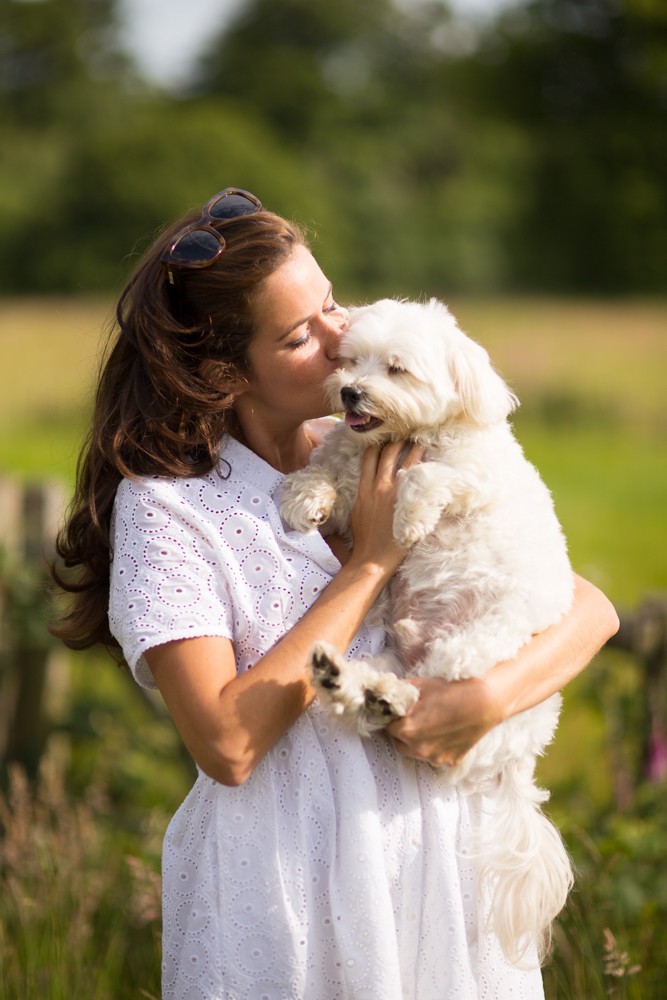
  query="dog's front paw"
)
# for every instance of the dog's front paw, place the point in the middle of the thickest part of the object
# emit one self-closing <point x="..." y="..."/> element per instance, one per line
<point x="378" y="710"/>
<point x="308" y="509"/>
<point x="326" y="667"/>
<point x="337" y="681"/>
<point x="386" y="698"/>
<point x="407" y="533"/>
<point x="413" y="522"/>
<point x="418" y="508"/>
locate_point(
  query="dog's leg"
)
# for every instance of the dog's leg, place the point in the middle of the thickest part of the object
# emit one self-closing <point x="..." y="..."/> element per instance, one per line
<point x="371" y="697"/>
<point x="308" y="499"/>
<point x="424" y="493"/>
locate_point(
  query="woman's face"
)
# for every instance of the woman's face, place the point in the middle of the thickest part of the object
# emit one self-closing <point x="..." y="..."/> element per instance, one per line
<point x="299" y="326"/>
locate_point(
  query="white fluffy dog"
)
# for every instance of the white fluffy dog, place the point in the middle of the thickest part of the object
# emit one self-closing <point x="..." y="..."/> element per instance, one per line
<point x="486" y="568"/>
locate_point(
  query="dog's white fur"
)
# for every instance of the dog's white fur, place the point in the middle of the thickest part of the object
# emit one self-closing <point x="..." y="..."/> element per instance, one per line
<point x="487" y="567"/>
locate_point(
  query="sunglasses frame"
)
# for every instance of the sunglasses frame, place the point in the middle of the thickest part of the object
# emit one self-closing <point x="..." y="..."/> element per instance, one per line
<point x="205" y="224"/>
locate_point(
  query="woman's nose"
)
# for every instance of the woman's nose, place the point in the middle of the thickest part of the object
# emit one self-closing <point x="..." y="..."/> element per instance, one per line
<point x="337" y="325"/>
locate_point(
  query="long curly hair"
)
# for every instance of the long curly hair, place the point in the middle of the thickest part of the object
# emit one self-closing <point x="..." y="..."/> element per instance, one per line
<point x="159" y="411"/>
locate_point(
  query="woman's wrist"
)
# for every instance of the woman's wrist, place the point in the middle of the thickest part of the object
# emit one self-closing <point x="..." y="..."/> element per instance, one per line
<point x="554" y="657"/>
<point x="372" y="570"/>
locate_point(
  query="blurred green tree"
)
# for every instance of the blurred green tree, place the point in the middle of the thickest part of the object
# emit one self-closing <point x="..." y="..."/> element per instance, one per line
<point x="432" y="156"/>
<point x="55" y="55"/>
<point x="62" y="75"/>
<point x="297" y="63"/>
<point x="369" y="102"/>
<point x="587" y="83"/>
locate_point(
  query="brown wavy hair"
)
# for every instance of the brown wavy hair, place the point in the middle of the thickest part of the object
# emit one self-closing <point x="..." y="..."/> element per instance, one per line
<point x="158" y="411"/>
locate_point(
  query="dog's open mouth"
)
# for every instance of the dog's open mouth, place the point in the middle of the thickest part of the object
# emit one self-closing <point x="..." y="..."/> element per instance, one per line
<point x="361" y="422"/>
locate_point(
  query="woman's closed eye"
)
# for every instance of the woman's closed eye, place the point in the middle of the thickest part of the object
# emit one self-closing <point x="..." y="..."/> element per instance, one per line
<point x="293" y="344"/>
<point x="327" y="309"/>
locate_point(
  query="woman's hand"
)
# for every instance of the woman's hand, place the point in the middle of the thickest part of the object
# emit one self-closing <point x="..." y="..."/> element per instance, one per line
<point x="371" y="521"/>
<point x="447" y="721"/>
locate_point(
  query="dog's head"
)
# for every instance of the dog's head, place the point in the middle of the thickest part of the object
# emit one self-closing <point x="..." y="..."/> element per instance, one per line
<point x="407" y="368"/>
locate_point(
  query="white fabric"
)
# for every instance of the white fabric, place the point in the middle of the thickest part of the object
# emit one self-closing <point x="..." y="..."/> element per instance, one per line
<point x="339" y="869"/>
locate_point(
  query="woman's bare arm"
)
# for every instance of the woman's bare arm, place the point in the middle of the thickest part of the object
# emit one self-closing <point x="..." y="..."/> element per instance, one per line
<point x="450" y="717"/>
<point x="229" y="722"/>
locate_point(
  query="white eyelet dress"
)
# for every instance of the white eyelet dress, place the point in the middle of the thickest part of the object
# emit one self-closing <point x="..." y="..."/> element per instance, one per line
<point x="339" y="870"/>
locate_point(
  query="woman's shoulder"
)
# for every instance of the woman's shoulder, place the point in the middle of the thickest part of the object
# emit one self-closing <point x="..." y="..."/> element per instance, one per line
<point x="167" y="491"/>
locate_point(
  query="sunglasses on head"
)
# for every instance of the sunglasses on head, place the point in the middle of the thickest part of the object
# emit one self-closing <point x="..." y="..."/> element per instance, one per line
<point x="200" y="244"/>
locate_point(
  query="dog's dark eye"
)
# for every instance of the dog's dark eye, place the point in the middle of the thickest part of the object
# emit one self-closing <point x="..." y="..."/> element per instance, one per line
<point x="395" y="369"/>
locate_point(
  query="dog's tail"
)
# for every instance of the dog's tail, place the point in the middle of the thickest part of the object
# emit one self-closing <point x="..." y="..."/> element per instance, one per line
<point x="525" y="866"/>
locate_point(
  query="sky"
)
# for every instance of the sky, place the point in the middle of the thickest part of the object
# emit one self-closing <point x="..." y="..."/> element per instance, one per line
<point x="165" y="35"/>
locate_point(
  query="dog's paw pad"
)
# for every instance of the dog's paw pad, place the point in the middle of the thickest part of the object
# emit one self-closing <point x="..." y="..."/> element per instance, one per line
<point x="314" y="508"/>
<point x="306" y="522"/>
<point x="324" y="668"/>
<point x="328" y="681"/>
<point x="378" y="706"/>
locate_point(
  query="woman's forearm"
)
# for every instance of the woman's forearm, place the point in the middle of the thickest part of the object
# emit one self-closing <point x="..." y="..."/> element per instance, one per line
<point x="259" y="706"/>
<point x="229" y="722"/>
<point x="556" y="656"/>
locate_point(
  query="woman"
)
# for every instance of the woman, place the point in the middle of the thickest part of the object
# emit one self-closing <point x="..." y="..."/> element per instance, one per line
<point x="305" y="862"/>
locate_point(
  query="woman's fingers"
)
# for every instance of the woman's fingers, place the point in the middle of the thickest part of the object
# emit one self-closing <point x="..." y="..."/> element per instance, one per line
<point x="389" y="459"/>
<point x="447" y="720"/>
<point x="414" y="455"/>
<point x="372" y="517"/>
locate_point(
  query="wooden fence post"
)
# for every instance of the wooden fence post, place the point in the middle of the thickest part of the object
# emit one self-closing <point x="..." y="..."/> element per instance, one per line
<point x="29" y="515"/>
<point x="643" y="633"/>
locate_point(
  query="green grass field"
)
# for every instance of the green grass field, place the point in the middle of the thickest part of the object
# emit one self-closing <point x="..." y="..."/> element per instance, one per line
<point x="592" y="379"/>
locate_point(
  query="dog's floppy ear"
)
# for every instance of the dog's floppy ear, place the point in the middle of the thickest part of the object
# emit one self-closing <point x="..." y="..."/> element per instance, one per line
<point x="485" y="398"/>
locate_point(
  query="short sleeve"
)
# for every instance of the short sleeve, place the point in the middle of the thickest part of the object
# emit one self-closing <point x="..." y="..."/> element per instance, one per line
<point x="167" y="582"/>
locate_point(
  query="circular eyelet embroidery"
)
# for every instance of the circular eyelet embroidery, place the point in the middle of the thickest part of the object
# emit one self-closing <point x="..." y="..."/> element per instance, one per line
<point x="259" y="568"/>
<point x="164" y="554"/>
<point x="179" y="591"/>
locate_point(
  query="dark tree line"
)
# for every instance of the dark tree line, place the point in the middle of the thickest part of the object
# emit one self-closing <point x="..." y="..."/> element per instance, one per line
<point x="426" y="155"/>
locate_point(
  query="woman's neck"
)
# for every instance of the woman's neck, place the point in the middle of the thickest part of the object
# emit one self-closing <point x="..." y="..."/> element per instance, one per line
<point x="286" y="451"/>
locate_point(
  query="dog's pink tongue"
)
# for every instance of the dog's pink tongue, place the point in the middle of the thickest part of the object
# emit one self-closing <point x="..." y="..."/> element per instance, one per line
<point x="354" y="419"/>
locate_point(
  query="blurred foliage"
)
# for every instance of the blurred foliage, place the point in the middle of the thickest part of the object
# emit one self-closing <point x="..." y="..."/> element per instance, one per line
<point x="611" y="939"/>
<point x="432" y="152"/>
<point x="80" y="899"/>
<point x="588" y="83"/>
<point x="25" y="610"/>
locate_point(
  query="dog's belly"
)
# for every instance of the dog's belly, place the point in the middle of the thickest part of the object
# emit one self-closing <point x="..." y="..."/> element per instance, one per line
<point x="466" y="581"/>
<point x="419" y="614"/>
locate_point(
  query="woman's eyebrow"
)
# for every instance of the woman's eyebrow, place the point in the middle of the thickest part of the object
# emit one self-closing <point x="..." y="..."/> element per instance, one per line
<point x="305" y="319"/>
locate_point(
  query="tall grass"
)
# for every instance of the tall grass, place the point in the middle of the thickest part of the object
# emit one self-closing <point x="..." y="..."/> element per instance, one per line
<point x="79" y="898"/>
<point x="611" y="940"/>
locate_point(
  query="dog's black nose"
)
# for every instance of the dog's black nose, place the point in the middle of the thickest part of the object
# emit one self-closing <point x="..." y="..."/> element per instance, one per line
<point x="350" y="395"/>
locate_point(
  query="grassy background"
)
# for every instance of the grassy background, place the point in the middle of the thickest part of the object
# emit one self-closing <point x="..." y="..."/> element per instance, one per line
<point x="592" y="378"/>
